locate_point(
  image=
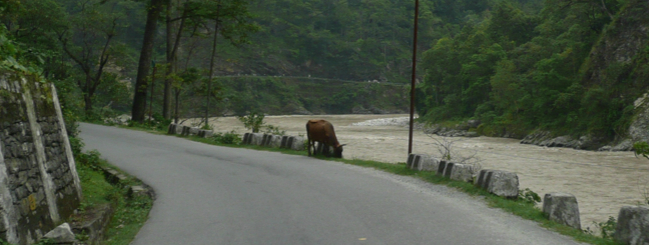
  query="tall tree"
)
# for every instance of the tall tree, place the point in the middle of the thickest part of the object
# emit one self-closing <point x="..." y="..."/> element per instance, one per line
<point x="139" y="100"/>
<point x="88" y="42"/>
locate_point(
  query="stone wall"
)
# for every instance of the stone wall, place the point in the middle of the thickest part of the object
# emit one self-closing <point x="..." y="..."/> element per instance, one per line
<point x="39" y="185"/>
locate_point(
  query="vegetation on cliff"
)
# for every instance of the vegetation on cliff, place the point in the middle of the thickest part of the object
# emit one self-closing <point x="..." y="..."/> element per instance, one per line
<point x="573" y="67"/>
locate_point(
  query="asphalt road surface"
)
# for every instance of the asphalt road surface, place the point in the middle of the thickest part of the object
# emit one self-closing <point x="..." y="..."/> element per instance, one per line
<point x="218" y="195"/>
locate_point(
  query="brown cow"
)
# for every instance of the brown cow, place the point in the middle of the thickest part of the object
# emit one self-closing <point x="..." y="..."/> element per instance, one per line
<point x="322" y="131"/>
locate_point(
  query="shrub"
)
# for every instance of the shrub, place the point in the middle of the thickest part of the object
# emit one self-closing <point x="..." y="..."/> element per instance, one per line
<point x="227" y="138"/>
<point x="253" y="121"/>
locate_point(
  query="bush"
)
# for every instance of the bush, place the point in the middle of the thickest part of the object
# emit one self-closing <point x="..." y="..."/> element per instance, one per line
<point x="226" y="138"/>
<point x="253" y="121"/>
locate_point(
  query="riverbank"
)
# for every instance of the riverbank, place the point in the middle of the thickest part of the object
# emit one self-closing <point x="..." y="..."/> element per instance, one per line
<point x="603" y="182"/>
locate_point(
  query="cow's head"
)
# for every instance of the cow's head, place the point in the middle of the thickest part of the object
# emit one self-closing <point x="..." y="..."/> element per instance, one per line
<point x="338" y="151"/>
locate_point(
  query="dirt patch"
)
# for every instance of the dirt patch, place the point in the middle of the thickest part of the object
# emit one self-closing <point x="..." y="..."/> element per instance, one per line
<point x="603" y="182"/>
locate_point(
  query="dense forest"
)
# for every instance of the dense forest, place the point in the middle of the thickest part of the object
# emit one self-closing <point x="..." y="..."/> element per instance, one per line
<point x="568" y="66"/>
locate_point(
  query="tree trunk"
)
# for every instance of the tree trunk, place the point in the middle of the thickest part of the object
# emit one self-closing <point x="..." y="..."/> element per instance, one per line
<point x="87" y="94"/>
<point x="88" y="100"/>
<point x="209" y="82"/>
<point x="139" y="101"/>
<point x="166" y="102"/>
<point x="177" y="104"/>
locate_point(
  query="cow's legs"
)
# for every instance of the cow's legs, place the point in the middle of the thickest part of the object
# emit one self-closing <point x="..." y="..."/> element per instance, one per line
<point x="308" y="147"/>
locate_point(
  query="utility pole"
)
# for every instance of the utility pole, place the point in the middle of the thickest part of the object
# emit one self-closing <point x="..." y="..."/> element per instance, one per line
<point x="414" y="70"/>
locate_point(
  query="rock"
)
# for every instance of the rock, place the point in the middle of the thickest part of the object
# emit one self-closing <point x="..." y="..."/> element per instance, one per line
<point x="471" y="134"/>
<point x="293" y="109"/>
<point x="422" y="162"/>
<point x="172" y="129"/>
<point x="61" y="235"/>
<point x="625" y="145"/>
<point x="266" y="140"/>
<point x="298" y="143"/>
<point x="473" y="123"/>
<point x="376" y="110"/>
<point x="286" y="142"/>
<point x="462" y="126"/>
<point x="275" y="141"/>
<point x="501" y="183"/>
<point x="360" y="110"/>
<point x="562" y="208"/>
<point x="441" y="167"/>
<point x="185" y="131"/>
<point x="633" y="225"/>
<point x="448" y="169"/>
<point x="205" y="133"/>
<point x="247" y="138"/>
<point x="461" y="172"/>
<point x="605" y="148"/>
<point x="411" y="160"/>
<point x="194" y="131"/>
<point x="257" y="138"/>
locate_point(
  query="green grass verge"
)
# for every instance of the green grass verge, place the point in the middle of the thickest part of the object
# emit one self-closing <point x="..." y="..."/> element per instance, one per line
<point x="519" y="207"/>
<point x="129" y="213"/>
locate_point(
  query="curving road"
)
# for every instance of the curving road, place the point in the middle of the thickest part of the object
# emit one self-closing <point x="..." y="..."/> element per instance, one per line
<point x="218" y="195"/>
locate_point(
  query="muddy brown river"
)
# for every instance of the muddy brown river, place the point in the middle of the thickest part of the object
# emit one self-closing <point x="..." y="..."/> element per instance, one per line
<point x="603" y="182"/>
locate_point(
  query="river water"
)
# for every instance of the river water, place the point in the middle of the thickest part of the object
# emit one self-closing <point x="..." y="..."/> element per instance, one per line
<point x="603" y="182"/>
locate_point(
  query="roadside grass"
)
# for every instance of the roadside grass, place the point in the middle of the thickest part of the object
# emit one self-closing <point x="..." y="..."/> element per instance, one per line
<point x="129" y="213"/>
<point x="519" y="207"/>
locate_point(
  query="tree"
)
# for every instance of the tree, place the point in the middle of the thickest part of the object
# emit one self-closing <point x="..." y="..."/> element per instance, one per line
<point x="139" y="100"/>
<point x="88" y="42"/>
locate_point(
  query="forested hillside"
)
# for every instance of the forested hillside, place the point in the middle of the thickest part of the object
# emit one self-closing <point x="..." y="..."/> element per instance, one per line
<point x="574" y="67"/>
<point x="566" y="66"/>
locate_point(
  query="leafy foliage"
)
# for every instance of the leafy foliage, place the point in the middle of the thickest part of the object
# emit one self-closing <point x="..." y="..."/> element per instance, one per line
<point x="253" y="121"/>
<point x="231" y="138"/>
<point x="521" y="68"/>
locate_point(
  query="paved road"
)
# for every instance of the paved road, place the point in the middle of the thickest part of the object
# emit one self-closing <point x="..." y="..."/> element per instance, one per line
<point x="219" y="195"/>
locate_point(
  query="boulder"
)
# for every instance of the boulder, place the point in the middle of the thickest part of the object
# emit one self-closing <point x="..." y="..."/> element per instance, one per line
<point x="360" y="110"/>
<point x="61" y="235"/>
<point x="501" y="183"/>
<point x="257" y="138"/>
<point x="633" y="225"/>
<point x="172" y="129"/>
<point x="247" y="138"/>
<point x="410" y="161"/>
<point x="441" y="167"/>
<point x="461" y="172"/>
<point x="298" y="143"/>
<point x="448" y="169"/>
<point x="415" y="161"/>
<point x="205" y="133"/>
<point x="275" y="141"/>
<point x="286" y="142"/>
<point x="194" y="131"/>
<point x="562" y="208"/>
<point x="428" y="163"/>
<point x="185" y="131"/>
<point x="473" y="123"/>
<point x="179" y="129"/>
